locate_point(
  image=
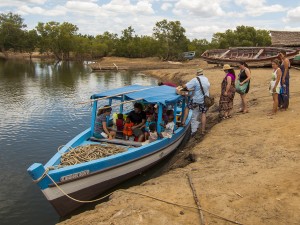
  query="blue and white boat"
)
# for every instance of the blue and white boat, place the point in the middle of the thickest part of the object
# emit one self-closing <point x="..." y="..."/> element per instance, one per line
<point x="87" y="180"/>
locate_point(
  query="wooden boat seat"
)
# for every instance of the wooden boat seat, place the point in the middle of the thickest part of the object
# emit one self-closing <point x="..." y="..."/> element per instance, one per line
<point x="117" y="141"/>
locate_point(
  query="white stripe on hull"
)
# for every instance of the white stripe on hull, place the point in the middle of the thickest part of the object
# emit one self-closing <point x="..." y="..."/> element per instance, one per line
<point x="52" y="193"/>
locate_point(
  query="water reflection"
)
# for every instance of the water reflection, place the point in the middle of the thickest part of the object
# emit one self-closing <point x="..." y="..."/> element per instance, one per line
<point x="39" y="111"/>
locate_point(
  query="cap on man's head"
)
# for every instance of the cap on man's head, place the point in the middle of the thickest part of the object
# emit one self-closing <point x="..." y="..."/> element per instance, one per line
<point x="200" y="71"/>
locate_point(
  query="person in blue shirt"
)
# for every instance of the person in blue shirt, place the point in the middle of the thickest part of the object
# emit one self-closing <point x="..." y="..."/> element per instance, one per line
<point x="197" y="101"/>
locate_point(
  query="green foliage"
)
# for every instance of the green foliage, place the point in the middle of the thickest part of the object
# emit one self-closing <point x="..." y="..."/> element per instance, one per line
<point x="168" y="40"/>
<point x="171" y="37"/>
<point x="57" y="38"/>
<point x="242" y="36"/>
<point x="11" y="33"/>
<point x="198" y="45"/>
<point x="30" y="41"/>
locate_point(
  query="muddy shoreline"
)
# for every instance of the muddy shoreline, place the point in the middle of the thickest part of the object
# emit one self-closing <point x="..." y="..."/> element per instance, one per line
<point x="245" y="169"/>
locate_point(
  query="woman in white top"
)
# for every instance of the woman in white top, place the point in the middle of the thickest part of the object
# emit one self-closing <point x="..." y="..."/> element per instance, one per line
<point x="275" y="84"/>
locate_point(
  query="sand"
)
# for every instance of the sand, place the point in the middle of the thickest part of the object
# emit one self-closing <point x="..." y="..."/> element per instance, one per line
<point x="246" y="168"/>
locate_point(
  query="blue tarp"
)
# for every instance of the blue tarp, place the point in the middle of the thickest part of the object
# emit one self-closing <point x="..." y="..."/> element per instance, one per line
<point x="151" y="94"/>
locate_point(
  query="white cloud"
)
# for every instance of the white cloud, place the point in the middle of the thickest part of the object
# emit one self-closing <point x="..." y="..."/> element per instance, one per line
<point x="293" y="15"/>
<point x="259" y="7"/>
<point x="165" y="6"/>
<point x="26" y="10"/>
<point x="81" y="6"/>
<point x="198" y="8"/>
<point x="125" y="7"/>
<point x="13" y="3"/>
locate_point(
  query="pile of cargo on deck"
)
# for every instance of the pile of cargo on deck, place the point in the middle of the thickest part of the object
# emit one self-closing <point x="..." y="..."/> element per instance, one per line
<point x="87" y="153"/>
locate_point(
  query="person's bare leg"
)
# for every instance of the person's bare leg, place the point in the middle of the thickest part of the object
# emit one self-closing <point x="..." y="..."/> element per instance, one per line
<point x="186" y="113"/>
<point x="203" y="122"/>
<point x="141" y="138"/>
<point x="244" y="103"/>
<point x="275" y="103"/>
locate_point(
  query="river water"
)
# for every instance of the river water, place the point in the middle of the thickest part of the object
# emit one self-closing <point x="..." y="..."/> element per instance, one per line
<point x="39" y="112"/>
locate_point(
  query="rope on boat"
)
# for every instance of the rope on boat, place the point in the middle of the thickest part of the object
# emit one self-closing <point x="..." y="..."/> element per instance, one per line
<point x="74" y="199"/>
<point x="131" y="192"/>
<point x="90" y="152"/>
<point x="184" y="206"/>
<point x="148" y="196"/>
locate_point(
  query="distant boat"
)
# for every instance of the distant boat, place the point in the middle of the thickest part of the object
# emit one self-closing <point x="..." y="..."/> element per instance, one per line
<point x="253" y="56"/>
<point x="63" y="184"/>
<point x="189" y="55"/>
<point x="296" y="60"/>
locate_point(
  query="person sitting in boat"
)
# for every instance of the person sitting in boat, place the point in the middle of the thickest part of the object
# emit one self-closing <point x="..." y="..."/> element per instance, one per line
<point x="101" y="130"/>
<point x="152" y="133"/>
<point x="120" y="122"/>
<point x="138" y="117"/>
<point x="149" y="110"/>
<point x="164" y="114"/>
<point x="169" y="127"/>
<point x="150" y="120"/>
<point x="167" y="83"/>
<point x="127" y="131"/>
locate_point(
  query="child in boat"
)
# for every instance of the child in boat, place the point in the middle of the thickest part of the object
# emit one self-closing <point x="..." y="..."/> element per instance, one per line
<point x="169" y="127"/>
<point x="120" y="122"/>
<point x="149" y="110"/>
<point x="152" y="132"/>
<point x="101" y="130"/>
<point x="127" y="131"/>
<point x="150" y="120"/>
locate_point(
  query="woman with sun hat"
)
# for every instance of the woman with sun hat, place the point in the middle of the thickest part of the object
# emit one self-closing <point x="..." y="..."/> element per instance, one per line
<point x="227" y="92"/>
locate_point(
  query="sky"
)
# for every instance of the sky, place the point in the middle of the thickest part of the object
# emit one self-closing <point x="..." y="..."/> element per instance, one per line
<point x="200" y="18"/>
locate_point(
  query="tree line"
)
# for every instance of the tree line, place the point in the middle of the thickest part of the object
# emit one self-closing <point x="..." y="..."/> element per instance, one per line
<point x="168" y="40"/>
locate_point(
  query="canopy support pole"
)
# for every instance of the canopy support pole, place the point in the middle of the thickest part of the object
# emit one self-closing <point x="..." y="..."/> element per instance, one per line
<point x="94" y="114"/>
<point x="183" y="109"/>
<point x="121" y="106"/>
<point x="175" y="114"/>
<point x="160" y="111"/>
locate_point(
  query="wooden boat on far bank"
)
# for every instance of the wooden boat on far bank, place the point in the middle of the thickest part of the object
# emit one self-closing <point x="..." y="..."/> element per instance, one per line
<point x="68" y="186"/>
<point x="253" y="56"/>
<point x="99" y="67"/>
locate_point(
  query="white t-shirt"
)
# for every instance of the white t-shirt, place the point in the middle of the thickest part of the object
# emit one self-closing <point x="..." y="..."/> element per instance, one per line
<point x="170" y="127"/>
<point x="194" y="83"/>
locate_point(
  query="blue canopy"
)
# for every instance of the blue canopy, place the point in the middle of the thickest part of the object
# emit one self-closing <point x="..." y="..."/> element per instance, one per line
<point x="151" y="94"/>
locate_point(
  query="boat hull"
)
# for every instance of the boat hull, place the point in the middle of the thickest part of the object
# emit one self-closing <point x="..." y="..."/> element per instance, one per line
<point x="253" y="56"/>
<point x="97" y="183"/>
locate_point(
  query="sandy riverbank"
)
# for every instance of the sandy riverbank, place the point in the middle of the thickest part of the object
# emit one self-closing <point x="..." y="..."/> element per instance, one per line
<point x="247" y="168"/>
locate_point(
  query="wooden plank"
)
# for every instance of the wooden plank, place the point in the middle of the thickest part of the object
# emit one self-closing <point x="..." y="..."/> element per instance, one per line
<point x="117" y="141"/>
<point x="223" y="55"/>
<point x="259" y="53"/>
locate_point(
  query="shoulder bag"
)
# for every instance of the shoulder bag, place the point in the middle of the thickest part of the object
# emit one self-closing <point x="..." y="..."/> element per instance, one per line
<point x="208" y="101"/>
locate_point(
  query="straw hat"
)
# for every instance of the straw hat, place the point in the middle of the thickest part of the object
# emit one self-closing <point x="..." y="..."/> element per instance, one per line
<point x="200" y="71"/>
<point x="227" y="67"/>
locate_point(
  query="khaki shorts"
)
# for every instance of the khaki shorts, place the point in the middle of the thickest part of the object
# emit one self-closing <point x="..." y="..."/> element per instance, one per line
<point x="137" y="132"/>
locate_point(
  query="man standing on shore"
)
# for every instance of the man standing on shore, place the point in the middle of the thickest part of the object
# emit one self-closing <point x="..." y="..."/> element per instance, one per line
<point x="197" y="102"/>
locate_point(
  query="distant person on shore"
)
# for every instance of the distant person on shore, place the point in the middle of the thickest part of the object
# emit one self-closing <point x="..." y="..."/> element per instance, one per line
<point x="227" y="92"/>
<point x="197" y="102"/>
<point x="284" y="95"/>
<point x="167" y="83"/>
<point x="244" y="82"/>
<point x="138" y="117"/>
<point x="275" y="85"/>
<point x="101" y="130"/>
